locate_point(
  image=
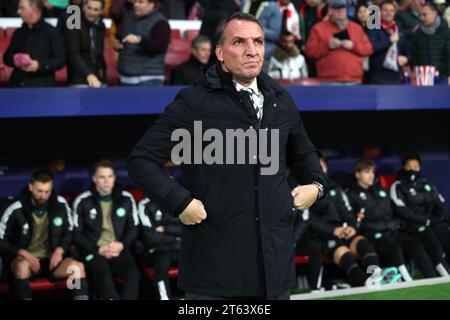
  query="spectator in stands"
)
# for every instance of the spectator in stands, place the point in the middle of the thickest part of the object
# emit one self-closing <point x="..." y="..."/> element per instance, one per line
<point x="431" y="43"/>
<point x="422" y="209"/>
<point x="441" y="5"/>
<point x="390" y="48"/>
<point x="119" y="12"/>
<point x="55" y="8"/>
<point x="287" y="62"/>
<point x="376" y="221"/>
<point x="142" y="45"/>
<point x="333" y="228"/>
<point x="8" y="8"/>
<point x="311" y="12"/>
<point x="362" y="14"/>
<point x="36" y="50"/>
<point x="35" y="235"/>
<point x="409" y="18"/>
<point x="86" y="65"/>
<point x="161" y="236"/>
<point x="106" y="225"/>
<point x="337" y="45"/>
<point x="268" y="13"/>
<point x="191" y="71"/>
<point x="215" y="12"/>
<point x="290" y="20"/>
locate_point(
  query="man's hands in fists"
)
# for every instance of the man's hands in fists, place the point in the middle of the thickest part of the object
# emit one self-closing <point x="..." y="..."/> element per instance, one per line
<point x="194" y="213"/>
<point x="304" y="196"/>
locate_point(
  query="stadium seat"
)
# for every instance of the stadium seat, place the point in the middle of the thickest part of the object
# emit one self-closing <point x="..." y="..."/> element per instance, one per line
<point x="149" y="273"/>
<point x="175" y="34"/>
<point x="386" y="181"/>
<point x="180" y="45"/>
<point x="61" y="77"/>
<point x="41" y="284"/>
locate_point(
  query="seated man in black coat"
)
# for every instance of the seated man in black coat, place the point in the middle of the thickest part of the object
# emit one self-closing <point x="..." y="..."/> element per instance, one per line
<point x="190" y="71"/>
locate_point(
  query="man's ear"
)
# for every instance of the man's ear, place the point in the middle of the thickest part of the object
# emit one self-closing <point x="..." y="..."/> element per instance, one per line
<point x="219" y="52"/>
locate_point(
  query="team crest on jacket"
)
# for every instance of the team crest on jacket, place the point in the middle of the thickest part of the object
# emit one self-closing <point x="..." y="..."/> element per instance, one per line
<point x="427" y="187"/>
<point x="25" y="228"/>
<point x="158" y="215"/>
<point x="363" y="196"/>
<point x="57" y="221"/>
<point x="382" y="193"/>
<point x="333" y="193"/>
<point x="93" y="213"/>
<point x="121" y="212"/>
<point x="413" y="192"/>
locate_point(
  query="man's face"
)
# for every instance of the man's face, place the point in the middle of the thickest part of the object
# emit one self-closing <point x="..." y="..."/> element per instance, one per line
<point x="365" y="177"/>
<point x="338" y="14"/>
<point x="104" y="180"/>
<point x="287" y="41"/>
<point x="92" y="9"/>
<point x="388" y="13"/>
<point x="242" y="50"/>
<point x="412" y="165"/>
<point x="311" y="3"/>
<point x="427" y="16"/>
<point x="324" y="165"/>
<point x="143" y="7"/>
<point x="202" y="52"/>
<point x="27" y="12"/>
<point x="41" y="191"/>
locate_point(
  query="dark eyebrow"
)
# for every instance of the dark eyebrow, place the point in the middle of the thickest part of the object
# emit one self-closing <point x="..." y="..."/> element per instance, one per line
<point x="243" y="39"/>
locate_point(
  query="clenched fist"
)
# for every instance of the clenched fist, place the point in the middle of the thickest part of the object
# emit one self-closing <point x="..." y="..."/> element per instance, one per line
<point x="194" y="213"/>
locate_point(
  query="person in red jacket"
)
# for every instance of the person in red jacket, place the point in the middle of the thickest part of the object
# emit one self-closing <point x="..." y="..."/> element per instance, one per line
<point x="338" y="45"/>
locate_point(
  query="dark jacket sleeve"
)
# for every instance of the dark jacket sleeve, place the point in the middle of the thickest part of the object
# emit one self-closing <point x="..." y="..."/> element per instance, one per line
<point x="8" y="227"/>
<point x="67" y="233"/>
<point x="402" y="209"/>
<point x="176" y="78"/>
<point x="302" y="155"/>
<point x="158" y="40"/>
<point x="57" y="58"/>
<point x="81" y="240"/>
<point x="439" y="211"/>
<point x="153" y="150"/>
<point x="73" y="49"/>
<point x="131" y="231"/>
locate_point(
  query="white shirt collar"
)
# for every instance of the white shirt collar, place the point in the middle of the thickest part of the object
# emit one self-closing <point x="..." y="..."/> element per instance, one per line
<point x="253" y="86"/>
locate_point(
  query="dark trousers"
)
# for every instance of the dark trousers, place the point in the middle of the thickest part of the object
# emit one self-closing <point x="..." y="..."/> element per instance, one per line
<point x="161" y="261"/>
<point x="103" y="271"/>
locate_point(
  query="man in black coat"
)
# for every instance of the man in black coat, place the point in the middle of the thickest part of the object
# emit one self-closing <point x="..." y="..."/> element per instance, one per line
<point x="36" y="51"/>
<point x="85" y="61"/>
<point x="238" y="236"/>
<point x="191" y="71"/>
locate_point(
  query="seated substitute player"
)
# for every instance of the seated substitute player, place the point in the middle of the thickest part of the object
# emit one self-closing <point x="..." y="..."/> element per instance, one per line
<point x="422" y="209"/>
<point x="35" y="235"/>
<point x="374" y="210"/>
<point x="333" y="229"/>
<point x="106" y="225"/>
<point x="161" y="236"/>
